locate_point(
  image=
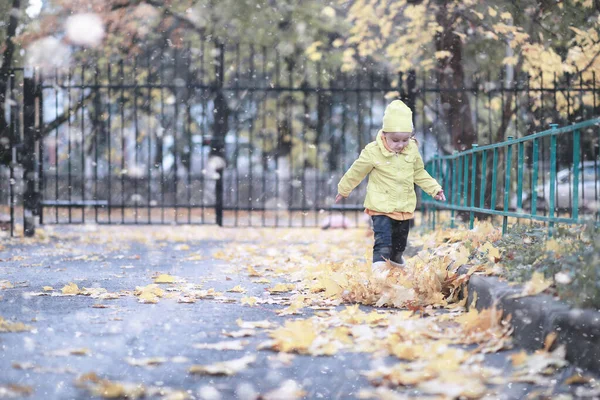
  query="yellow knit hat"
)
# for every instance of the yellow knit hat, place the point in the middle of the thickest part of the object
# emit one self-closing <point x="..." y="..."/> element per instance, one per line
<point x="397" y="117"/>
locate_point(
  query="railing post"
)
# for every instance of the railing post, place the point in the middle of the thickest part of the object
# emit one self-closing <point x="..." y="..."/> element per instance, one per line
<point x="552" y="193"/>
<point x="534" y="177"/>
<point x="507" y="184"/>
<point x="576" y="150"/>
<point x="28" y="155"/>
<point x="520" y="167"/>
<point x="454" y="190"/>
<point x="483" y="179"/>
<point x="494" y="178"/>
<point x="473" y="176"/>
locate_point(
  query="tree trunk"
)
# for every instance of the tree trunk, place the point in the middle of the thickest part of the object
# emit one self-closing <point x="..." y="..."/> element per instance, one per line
<point x="454" y="99"/>
<point x="457" y="109"/>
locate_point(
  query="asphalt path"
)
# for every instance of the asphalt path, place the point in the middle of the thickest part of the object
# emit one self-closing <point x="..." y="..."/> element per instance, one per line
<point x="129" y="329"/>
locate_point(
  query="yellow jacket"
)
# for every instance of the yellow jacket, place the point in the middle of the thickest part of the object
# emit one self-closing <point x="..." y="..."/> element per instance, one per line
<point x="392" y="177"/>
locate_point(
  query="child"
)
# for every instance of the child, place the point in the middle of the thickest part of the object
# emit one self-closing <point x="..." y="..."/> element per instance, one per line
<point x="395" y="165"/>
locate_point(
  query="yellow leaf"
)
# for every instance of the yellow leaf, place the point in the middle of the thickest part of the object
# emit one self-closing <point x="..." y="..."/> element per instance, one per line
<point x="263" y="324"/>
<point x="148" y="297"/>
<point x="506" y="16"/>
<point x="331" y="287"/>
<point x="281" y="288"/>
<point x="226" y="345"/>
<point x="231" y="367"/>
<point x="493" y="253"/>
<point x="512" y="60"/>
<point x="461" y="257"/>
<point x="536" y="284"/>
<point x="294" y="336"/>
<point x="145" y="362"/>
<point x="492" y="12"/>
<point x="475" y="321"/>
<point x="7" y="326"/>
<point x="251" y="301"/>
<point x="549" y="340"/>
<point x="518" y="358"/>
<point x="71" y="352"/>
<point x="237" y="289"/>
<point x="252" y="272"/>
<point x="6" y="285"/>
<point x="578" y="379"/>
<point x="442" y="54"/>
<point x="337" y="43"/>
<point x="479" y="15"/>
<point x="407" y="351"/>
<point x="149" y="293"/>
<point x="164" y="278"/>
<point x="47" y="288"/>
<point x="70" y="289"/>
<point x="553" y="245"/>
<point x="288" y="390"/>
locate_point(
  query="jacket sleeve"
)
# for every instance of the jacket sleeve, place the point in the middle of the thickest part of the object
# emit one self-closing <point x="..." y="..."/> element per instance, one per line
<point x="357" y="172"/>
<point x="423" y="179"/>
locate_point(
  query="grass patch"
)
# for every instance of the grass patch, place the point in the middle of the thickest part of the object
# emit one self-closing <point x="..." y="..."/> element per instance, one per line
<point x="571" y="258"/>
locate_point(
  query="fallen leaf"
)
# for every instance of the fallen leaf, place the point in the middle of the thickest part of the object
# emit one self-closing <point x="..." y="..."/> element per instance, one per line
<point x="294" y="336"/>
<point x="239" y="333"/>
<point x="164" y="278"/>
<point x="70" y="352"/>
<point x="226" y="345"/>
<point x="288" y="390"/>
<point x="549" y="340"/>
<point x="251" y="301"/>
<point x="4" y="284"/>
<point x="237" y="289"/>
<point x="71" y="289"/>
<point x="231" y="367"/>
<point x="518" y="358"/>
<point x="7" y="326"/>
<point x="281" y="288"/>
<point x="578" y="379"/>
<point x="263" y="324"/>
<point x="145" y="362"/>
<point x="252" y="272"/>
<point x="536" y="285"/>
<point x="13" y="390"/>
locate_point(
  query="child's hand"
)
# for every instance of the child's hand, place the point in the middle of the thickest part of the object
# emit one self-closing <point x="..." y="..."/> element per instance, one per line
<point x="338" y="198"/>
<point x="440" y="196"/>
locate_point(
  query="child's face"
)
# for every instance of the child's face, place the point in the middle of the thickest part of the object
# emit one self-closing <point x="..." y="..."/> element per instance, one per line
<point x="397" y="141"/>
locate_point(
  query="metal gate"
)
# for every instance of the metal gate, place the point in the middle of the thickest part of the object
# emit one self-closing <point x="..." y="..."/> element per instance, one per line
<point x="204" y="136"/>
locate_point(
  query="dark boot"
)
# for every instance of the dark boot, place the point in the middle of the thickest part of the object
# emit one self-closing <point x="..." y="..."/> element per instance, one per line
<point x="398" y="260"/>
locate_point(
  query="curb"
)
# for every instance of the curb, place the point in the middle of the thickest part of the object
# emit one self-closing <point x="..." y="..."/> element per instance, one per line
<point x="534" y="317"/>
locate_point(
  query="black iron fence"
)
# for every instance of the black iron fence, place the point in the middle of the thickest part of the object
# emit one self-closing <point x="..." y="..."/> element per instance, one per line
<point x="239" y="136"/>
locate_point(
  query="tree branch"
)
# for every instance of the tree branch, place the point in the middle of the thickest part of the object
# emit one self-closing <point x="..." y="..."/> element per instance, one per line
<point x="61" y="119"/>
<point x="591" y="62"/>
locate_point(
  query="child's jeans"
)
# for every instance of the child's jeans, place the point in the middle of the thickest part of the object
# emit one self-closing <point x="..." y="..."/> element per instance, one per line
<point x="390" y="238"/>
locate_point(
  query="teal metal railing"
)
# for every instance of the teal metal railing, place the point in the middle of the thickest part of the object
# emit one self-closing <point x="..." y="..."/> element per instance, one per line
<point x="551" y="177"/>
